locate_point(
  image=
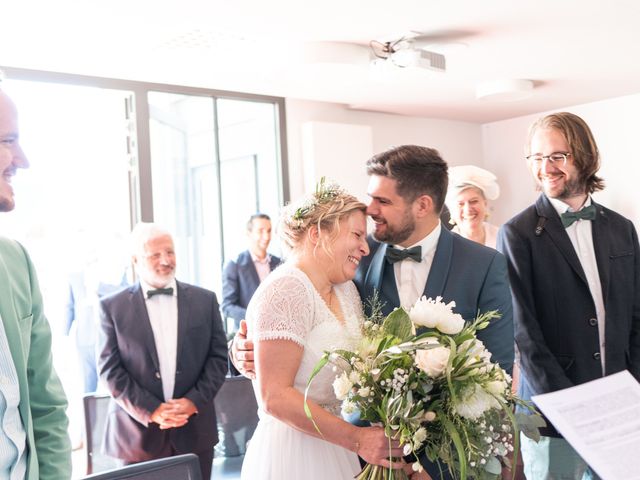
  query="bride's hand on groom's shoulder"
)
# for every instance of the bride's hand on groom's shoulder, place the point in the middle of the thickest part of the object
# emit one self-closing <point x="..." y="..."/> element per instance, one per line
<point x="242" y="352"/>
<point x="373" y="446"/>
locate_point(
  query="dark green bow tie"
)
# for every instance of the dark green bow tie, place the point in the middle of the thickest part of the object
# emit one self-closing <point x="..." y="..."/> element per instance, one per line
<point x="160" y="291"/>
<point x="394" y="255"/>
<point x="587" y="213"/>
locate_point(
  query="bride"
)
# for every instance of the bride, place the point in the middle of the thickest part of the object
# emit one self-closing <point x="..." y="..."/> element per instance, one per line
<point x="307" y="306"/>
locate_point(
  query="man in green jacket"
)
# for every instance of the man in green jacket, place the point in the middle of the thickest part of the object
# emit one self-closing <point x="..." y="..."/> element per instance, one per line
<point x="34" y="444"/>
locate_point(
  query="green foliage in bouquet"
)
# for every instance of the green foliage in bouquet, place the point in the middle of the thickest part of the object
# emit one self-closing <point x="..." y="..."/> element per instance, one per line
<point x="436" y="391"/>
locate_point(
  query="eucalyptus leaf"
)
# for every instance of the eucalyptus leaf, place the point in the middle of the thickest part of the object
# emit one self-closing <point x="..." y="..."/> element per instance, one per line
<point x="493" y="466"/>
<point x="398" y="324"/>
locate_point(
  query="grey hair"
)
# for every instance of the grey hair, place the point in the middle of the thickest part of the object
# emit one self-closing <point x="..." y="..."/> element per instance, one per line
<point x="142" y="233"/>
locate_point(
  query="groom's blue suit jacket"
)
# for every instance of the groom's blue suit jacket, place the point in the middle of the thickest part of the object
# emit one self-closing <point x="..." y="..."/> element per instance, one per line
<point x="472" y="275"/>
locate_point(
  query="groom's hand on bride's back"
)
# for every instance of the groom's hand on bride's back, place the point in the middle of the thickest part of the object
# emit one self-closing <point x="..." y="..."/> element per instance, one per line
<point x="242" y="352"/>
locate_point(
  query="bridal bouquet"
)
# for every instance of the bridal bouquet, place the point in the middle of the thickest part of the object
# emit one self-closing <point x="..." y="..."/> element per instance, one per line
<point x="437" y="392"/>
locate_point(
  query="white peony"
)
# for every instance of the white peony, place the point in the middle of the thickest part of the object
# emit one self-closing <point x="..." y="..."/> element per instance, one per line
<point x="452" y="324"/>
<point x="475" y="402"/>
<point x="436" y="314"/>
<point x="497" y="387"/>
<point x="434" y="360"/>
<point x="420" y="436"/>
<point x="342" y="386"/>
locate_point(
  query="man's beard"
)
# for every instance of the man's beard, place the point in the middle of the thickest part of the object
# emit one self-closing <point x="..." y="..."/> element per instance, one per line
<point x="572" y="188"/>
<point x="395" y="237"/>
<point x="6" y="205"/>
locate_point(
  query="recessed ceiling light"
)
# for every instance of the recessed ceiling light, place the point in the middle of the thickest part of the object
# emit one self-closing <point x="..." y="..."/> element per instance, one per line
<point x="509" y="90"/>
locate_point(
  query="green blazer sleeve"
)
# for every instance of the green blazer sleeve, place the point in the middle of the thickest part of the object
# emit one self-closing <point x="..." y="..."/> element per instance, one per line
<point x="42" y="400"/>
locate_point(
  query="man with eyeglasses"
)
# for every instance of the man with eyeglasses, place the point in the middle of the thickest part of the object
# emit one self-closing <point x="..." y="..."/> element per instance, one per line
<point x="574" y="268"/>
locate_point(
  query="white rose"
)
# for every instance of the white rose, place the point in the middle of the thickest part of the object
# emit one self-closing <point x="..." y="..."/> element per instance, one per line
<point x="434" y="360"/>
<point x="451" y="324"/>
<point x="342" y="386"/>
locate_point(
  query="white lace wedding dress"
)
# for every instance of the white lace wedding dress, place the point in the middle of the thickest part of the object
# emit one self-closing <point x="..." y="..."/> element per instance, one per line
<point x="287" y="306"/>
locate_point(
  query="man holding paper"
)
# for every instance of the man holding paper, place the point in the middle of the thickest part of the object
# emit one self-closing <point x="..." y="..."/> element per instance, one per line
<point x="574" y="268"/>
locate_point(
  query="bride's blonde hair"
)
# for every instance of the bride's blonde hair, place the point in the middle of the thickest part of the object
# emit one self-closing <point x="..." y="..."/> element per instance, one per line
<point x="325" y="209"/>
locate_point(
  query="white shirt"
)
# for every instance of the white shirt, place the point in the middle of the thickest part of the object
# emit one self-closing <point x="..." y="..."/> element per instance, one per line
<point x="580" y="234"/>
<point x="163" y="315"/>
<point x="13" y="438"/>
<point x="411" y="276"/>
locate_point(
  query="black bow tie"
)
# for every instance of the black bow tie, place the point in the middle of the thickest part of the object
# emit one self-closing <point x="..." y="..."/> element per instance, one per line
<point x="587" y="213"/>
<point x="394" y="255"/>
<point x="160" y="291"/>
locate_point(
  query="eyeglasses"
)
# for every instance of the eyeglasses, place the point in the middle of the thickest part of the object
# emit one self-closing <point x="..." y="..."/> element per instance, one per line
<point x="557" y="159"/>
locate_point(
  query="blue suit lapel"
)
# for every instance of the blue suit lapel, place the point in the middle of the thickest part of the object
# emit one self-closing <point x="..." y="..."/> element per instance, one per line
<point x="183" y="318"/>
<point x="600" y="233"/>
<point x="553" y="226"/>
<point x="380" y="278"/>
<point x="275" y="261"/>
<point x="141" y="317"/>
<point x="247" y="271"/>
<point x="439" y="271"/>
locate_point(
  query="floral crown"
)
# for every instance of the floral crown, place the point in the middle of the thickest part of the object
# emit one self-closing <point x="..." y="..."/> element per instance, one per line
<point x="325" y="192"/>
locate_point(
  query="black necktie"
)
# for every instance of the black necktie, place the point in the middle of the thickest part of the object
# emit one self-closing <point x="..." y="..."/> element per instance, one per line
<point x="394" y="255"/>
<point x="160" y="291"/>
<point x="587" y="213"/>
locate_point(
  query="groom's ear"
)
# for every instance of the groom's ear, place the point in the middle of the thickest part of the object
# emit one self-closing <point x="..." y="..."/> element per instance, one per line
<point x="423" y="205"/>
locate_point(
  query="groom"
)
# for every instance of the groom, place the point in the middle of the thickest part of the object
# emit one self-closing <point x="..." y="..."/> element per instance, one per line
<point x="412" y="255"/>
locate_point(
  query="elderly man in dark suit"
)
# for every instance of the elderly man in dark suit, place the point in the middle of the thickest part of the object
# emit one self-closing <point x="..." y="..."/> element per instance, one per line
<point x="241" y="277"/>
<point x="575" y="275"/>
<point x="163" y="358"/>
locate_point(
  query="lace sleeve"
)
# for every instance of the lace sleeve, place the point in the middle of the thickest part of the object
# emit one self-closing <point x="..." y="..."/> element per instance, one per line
<point x="282" y="310"/>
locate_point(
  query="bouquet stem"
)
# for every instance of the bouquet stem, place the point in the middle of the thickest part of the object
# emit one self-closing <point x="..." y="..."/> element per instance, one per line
<point x="376" y="472"/>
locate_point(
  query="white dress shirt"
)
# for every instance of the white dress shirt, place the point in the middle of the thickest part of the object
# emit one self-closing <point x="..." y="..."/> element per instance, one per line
<point x="163" y="315"/>
<point x="13" y="437"/>
<point x="411" y="276"/>
<point x="580" y="234"/>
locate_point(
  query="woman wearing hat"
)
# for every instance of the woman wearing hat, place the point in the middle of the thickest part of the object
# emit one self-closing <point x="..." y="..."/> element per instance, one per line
<point x="470" y="188"/>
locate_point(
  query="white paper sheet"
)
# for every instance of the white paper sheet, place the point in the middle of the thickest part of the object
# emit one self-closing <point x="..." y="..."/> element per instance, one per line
<point x="601" y="420"/>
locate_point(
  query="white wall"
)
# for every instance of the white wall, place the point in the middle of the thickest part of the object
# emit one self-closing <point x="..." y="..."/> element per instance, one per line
<point x="616" y="126"/>
<point x="458" y="142"/>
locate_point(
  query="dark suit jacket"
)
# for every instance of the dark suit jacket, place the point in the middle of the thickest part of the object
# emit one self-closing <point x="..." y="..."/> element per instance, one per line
<point x="239" y="282"/>
<point x="554" y="313"/>
<point x="128" y="365"/>
<point x="473" y="275"/>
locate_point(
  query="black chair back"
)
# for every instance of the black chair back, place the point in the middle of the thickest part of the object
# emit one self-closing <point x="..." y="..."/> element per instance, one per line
<point x="95" y="415"/>
<point x="180" y="467"/>
<point x="237" y="414"/>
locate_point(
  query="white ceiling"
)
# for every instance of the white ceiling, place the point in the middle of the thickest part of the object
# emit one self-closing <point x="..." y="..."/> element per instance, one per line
<point x="576" y="51"/>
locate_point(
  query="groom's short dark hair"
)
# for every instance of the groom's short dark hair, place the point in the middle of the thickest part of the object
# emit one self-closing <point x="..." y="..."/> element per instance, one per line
<point x="417" y="171"/>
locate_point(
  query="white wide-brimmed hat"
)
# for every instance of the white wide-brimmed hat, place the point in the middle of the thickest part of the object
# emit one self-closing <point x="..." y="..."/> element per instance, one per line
<point x="465" y="176"/>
